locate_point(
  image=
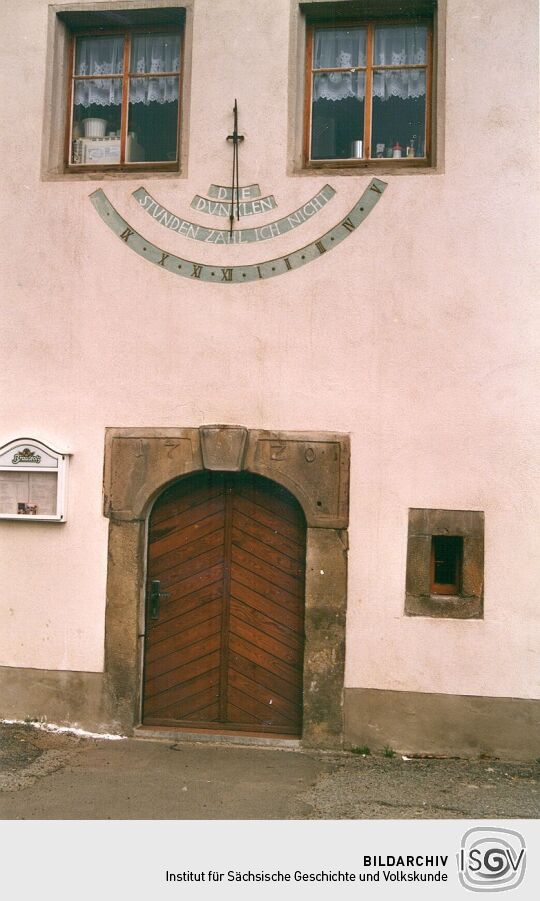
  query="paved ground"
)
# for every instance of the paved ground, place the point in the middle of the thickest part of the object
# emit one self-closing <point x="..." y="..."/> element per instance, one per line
<point x="52" y="776"/>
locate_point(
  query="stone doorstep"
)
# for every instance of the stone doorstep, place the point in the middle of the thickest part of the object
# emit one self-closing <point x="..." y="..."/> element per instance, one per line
<point x="179" y="736"/>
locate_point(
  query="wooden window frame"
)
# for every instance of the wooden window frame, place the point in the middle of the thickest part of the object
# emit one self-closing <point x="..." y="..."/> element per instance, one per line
<point x="367" y="161"/>
<point x="125" y="76"/>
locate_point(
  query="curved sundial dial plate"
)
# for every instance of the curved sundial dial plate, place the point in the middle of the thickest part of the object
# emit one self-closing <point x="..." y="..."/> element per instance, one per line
<point x="239" y="235"/>
<point x="239" y="274"/>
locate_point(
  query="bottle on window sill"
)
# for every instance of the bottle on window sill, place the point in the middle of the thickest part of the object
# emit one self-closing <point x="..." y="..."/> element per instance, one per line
<point x="397" y="151"/>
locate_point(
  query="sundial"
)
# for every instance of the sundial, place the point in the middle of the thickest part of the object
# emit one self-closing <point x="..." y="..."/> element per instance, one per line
<point x="235" y="202"/>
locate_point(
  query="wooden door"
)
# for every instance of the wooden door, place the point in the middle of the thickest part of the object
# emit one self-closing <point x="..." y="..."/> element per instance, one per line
<point x="226" y="649"/>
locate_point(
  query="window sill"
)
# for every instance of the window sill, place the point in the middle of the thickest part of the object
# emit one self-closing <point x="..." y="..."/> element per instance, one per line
<point x="134" y="167"/>
<point x="440" y="606"/>
<point x="113" y="173"/>
<point x="368" y="167"/>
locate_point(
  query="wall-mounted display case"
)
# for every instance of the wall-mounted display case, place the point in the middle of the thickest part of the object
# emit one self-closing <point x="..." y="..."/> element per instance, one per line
<point x="33" y="481"/>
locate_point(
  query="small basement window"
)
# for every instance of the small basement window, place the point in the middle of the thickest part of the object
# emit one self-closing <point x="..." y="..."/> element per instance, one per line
<point x="446" y="564"/>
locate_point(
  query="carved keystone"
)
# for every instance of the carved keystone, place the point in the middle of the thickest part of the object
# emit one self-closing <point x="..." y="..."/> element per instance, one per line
<point x="223" y="447"/>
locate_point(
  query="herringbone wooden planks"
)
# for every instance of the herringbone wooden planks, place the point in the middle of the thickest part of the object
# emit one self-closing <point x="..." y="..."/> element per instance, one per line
<point x="227" y="648"/>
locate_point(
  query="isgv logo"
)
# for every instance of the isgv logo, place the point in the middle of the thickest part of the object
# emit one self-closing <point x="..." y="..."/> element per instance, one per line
<point x="491" y="860"/>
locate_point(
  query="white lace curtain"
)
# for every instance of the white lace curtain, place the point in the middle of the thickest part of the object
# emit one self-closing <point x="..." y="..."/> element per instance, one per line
<point x="339" y="48"/>
<point x="104" y="56"/>
<point x="339" y="86"/>
<point x="408" y="84"/>
<point x="154" y="53"/>
<point x="395" y="46"/>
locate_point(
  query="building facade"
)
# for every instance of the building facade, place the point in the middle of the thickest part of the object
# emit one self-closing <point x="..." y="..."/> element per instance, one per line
<point x="267" y="430"/>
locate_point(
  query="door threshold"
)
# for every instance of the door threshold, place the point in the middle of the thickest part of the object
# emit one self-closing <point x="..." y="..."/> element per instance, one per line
<point x="249" y="739"/>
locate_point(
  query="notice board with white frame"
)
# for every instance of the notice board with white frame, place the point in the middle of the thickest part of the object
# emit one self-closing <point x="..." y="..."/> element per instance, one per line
<point x="33" y="481"/>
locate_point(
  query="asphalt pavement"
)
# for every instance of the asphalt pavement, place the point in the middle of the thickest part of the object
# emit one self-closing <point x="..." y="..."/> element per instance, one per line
<point x="46" y="775"/>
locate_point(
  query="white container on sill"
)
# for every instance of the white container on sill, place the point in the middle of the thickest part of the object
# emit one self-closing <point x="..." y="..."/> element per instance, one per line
<point x="356" y="148"/>
<point x="94" y="128"/>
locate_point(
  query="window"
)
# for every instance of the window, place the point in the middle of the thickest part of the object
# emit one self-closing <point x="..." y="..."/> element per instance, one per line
<point x="368" y="92"/>
<point x="125" y="98"/>
<point x="446" y="559"/>
<point x="445" y="564"/>
<point x="127" y="65"/>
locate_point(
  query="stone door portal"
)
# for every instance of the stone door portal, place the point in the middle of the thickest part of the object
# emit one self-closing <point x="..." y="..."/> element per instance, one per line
<point x="294" y="488"/>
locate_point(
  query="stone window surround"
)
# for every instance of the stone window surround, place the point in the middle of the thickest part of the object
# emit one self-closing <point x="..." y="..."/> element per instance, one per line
<point x="53" y="166"/>
<point x="423" y="525"/>
<point x="313" y="466"/>
<point x="297" y="86"/>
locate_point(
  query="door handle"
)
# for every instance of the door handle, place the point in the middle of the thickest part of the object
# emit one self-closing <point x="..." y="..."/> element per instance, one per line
<point x="155" y="598"/>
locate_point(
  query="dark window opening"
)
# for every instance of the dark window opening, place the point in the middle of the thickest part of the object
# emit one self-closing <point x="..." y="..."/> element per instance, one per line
<point x="446" y="564"/>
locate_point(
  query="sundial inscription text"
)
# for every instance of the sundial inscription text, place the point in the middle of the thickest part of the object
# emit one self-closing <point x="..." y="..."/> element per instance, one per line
<point x="240" y="235"/>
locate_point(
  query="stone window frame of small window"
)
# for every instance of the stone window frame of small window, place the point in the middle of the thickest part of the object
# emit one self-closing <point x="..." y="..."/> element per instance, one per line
<point x="64" y="22"/>
<point x="423" y="525"/>
<point x="320" y="13"/>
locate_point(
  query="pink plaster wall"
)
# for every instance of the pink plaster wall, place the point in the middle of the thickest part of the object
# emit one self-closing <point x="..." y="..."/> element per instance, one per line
<point x="415" y="336"/>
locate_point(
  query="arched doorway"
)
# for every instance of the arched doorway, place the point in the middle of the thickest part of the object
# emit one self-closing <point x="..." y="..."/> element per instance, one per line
<point x="224" y="637"/>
